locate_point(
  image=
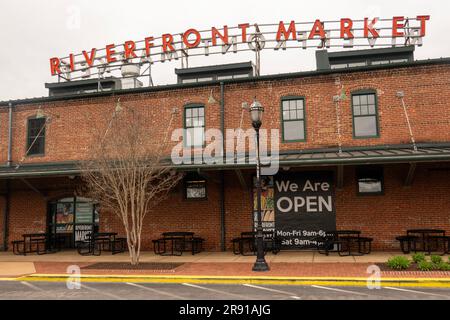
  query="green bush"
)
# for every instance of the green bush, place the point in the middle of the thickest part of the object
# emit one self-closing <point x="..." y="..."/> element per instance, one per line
<point x="399" y="263"/>
<point x="436" y="259"/>
<point x="425" y="266"/>
<point x="443" y="266"/>
<point x="418" y="257"/>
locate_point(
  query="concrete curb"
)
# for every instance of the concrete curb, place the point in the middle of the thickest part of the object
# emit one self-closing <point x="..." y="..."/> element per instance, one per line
<point x="261" y="280"/>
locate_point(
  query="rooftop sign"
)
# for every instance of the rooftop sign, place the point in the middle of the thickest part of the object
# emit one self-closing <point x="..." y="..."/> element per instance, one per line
<point x="343" y="33"/>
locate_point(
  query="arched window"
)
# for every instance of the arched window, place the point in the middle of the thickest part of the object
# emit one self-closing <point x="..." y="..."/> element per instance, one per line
<point x="293" y="119"/>
<point x="365" y="114"/>
<point x="194" y="125"/>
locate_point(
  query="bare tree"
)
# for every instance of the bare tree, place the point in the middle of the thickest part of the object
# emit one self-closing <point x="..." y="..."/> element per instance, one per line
<point x="126" y="172"/>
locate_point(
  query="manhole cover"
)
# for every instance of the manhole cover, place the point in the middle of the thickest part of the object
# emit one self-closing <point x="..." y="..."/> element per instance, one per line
<point x="127" y="266"/>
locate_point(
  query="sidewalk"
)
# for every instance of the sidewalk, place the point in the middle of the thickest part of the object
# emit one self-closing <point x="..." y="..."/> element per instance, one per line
<point x="285" y="268"/>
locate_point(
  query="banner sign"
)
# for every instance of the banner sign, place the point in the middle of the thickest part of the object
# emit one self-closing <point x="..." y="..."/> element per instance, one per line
<point x="267" y="204"/>
<point x="343" y="33"/>
<point x="82" y="231"/>
<point x="304" y="208"/>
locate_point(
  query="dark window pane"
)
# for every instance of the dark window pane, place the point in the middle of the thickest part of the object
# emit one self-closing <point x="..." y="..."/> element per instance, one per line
<point x="36" y="136"/>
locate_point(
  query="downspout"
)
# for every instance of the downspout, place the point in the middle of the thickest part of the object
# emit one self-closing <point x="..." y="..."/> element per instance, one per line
<point x="7" y="195"/>
<point x="9" y="163"/>
<point x="222" y="173"/>
<point x="6" y="217"/>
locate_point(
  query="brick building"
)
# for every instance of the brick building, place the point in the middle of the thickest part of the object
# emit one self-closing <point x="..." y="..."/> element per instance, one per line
<point x="345" y="120"/>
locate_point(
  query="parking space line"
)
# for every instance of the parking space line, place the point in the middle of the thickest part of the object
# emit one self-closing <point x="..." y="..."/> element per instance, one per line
<point x="32" y="286"/>
<point x="341" y="290"/>
<point x="156" y="291"/>
<point x="290" y="294"/>
<point x="419" y="292"/>
<point x="102" y="292"/>
<point x="215" y="290"/>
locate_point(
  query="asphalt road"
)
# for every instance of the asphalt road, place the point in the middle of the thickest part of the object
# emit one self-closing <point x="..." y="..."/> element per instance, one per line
<point x="13" y="290"/>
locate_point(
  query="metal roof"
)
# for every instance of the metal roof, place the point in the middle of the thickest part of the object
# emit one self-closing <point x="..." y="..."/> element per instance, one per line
<point x="307" y="158"/>
<point x="371" y="52"/>
<point x="211" y="69"/>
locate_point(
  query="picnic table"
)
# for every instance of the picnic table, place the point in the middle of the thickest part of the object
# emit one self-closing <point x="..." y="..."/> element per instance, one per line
<point x="31" y="243"/>
<point x="246" y="244"/>
<point x="176" y="243"/>
<point x="101" y="241"/>
<point x="343" y="242"/>
<point x="428" y="237"/>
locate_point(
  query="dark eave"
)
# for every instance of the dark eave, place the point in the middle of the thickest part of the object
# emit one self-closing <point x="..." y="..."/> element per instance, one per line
<point x="284" y="76"/>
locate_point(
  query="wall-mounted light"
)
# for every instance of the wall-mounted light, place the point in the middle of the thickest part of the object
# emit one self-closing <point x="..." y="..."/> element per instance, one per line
<point x="211" y="99"/>
<point x="400" y="94"/>
<point x="40" y="114"/>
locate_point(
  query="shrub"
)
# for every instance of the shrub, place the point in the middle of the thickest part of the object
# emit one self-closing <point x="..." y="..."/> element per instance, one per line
<point x="425" y="266"/>
<point x="436" y="259"/>
<point x="418" y="257"/>
<point x="398" y="263"/>
<point x="443" y="266"/>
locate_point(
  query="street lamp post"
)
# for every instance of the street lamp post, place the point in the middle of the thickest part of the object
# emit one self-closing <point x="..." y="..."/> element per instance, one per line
<point x="256" y="113"/>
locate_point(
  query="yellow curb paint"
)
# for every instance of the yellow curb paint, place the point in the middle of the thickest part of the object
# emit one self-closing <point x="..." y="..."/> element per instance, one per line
<point x="354" y="282"/>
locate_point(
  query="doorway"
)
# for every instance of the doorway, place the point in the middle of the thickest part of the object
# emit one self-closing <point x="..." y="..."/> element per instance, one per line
<point x="72" y="219"/>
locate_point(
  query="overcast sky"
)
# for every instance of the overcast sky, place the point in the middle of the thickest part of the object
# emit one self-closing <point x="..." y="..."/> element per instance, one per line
<point x="32" y="31"/>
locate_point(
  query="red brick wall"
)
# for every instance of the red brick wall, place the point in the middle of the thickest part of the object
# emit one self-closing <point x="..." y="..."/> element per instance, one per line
<point x="2" y="214"/>
<point x="426" y="204"/>
<point x="427" y="94"/>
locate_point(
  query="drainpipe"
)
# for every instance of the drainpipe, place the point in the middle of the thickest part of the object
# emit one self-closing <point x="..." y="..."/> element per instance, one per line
<point x="6" y="217"/>
<point x="7" y="195"/>
<point x="222" y="173"/>
<point x="9" y="163"/>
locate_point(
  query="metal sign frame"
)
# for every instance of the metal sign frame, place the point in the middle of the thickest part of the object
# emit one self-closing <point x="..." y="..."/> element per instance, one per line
<point x="343" y="33"/>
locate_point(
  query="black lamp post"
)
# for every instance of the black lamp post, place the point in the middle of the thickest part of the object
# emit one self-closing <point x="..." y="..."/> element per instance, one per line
<point x="256" y="114"/>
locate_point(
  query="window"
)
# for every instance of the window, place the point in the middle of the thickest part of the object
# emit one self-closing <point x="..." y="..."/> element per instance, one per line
<point x="205" y="79"/>
<point x="370" y="181"/>
<point x="194" y="124"/>
<point x="365" y="115"/>
<point x="293" y="119"/>
<point x="36" y="136"/>
<point x="189" y="81"/>
<point x="195" y="187"/>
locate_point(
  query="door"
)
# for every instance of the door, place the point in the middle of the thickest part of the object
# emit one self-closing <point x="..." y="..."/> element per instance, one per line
<point x="71" y="220"/>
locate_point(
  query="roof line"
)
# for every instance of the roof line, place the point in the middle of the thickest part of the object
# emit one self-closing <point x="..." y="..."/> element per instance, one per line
<point x="230" y="81"/>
